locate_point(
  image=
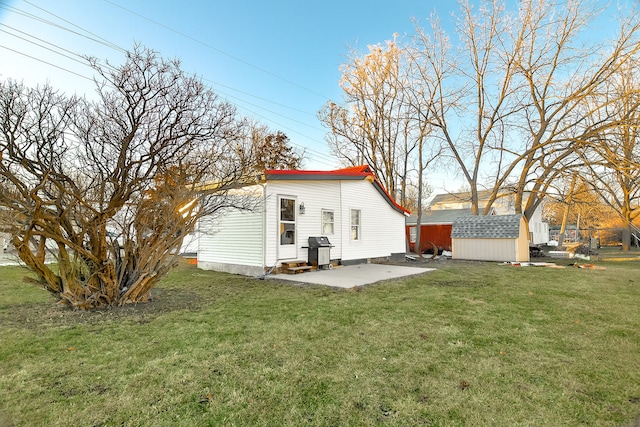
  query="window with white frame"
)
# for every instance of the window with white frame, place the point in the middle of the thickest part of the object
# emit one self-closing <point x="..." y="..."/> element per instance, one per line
<point x="356" y="224"/>
<point x="412" y="234"/>
<point x="287" y="221"/>
<point x="328" y="221"/>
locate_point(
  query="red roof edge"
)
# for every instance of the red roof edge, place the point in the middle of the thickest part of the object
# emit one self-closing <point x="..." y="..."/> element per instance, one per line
<point x="390" y="199"/>
<point x="353" y="172"/>
<point x="357" y="171"/>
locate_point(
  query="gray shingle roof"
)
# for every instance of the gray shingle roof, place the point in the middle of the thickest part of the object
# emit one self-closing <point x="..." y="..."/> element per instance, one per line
<point x="445" y="216"/>
<point x="486" y="227"/>
<point x="462" y="197"/>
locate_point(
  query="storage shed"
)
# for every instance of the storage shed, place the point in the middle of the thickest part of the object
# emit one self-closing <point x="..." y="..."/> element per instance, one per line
<point x="491" y="238"/>
<point x="505" y="204"/>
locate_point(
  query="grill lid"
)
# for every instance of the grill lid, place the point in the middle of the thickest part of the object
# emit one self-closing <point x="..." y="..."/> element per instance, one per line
<point x="319" y="241"/>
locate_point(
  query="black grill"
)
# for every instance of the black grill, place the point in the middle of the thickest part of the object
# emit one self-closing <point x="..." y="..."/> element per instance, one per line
<point x="320" y="252"/>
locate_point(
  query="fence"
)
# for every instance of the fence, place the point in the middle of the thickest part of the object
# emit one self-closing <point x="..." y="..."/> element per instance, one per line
<point x="605" y="236"/>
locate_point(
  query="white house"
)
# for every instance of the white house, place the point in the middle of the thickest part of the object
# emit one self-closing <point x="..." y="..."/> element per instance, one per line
<point x="348" y="206"/>
<point x="538" y="230"/>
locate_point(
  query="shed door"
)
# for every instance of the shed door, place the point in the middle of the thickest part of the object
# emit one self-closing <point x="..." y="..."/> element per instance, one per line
<point x="287" y="239"/>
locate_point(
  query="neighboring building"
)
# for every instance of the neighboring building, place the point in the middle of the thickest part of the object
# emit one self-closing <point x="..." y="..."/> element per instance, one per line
<point x="462" y="200"/>
<point x="571" y="233"/>
<point x="348" y="206"/>
<point x="503" y="205"/>
<point x="490" y="238"/>
<point x="435" y="228"/>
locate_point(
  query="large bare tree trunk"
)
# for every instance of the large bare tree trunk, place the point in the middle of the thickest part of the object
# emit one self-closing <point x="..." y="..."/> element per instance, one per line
<point x="109" y="189"/>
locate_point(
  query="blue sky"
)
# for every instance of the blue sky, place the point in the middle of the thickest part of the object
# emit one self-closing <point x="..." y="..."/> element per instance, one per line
<point x="278" y="61"/>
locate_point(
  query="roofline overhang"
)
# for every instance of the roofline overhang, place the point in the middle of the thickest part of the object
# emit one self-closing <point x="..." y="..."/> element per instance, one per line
<point x="337" y="175"/>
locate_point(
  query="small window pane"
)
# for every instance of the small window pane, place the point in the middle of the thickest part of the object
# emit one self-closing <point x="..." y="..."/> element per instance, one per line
<point x="287" y="234"/>
<point x="355" y="217"/>
<point x="327" y="222"/>
<point x="287" y="210"/>
<point x="355" y="224"/>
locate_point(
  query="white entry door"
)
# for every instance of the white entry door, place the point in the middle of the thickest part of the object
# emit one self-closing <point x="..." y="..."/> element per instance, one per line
<point x="287" y="232"/>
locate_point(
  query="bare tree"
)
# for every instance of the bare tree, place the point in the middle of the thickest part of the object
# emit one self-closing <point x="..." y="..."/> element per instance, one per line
<point x="428" y="72"/>
<point x="613" y="158"/>
<point x="111" y="187"/>
<point x="273" y="150"/>
<point x="520" y="80"/>
<point x="582" y="206"/>
<point x="373" y="125"/>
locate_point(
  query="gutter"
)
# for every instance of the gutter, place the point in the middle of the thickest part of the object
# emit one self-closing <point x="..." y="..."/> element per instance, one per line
<point x="264" y="234"/>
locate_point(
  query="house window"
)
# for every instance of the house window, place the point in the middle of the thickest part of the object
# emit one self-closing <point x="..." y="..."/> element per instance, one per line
<point x="355" y="224"/>
<point x="287" y="221"/>
<point x="327" y="222"/>
<point x="412" y="234"/>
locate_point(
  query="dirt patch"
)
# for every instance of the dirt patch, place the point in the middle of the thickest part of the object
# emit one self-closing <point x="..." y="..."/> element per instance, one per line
<point x="49" y="313"/>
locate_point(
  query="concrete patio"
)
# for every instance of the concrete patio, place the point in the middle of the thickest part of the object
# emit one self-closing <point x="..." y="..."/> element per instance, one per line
<point x="353" y="275"/>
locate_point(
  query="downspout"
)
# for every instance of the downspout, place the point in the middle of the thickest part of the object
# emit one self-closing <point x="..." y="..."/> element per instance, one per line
<point x="264" y="227"/>
<point x="264" y="234"/>
<point x="342" y="244"/>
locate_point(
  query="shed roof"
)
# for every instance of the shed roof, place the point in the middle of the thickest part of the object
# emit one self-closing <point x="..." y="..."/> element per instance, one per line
<point x="461" y="197"/>
<point x="351" y="173"/>
<point x="444" y="216"/>
<point x="487" y="227"/>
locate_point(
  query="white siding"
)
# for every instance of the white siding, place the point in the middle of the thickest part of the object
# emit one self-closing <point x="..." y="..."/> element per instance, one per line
<point x="232" y="242"/>
<point x="522" y="244"/>
<point x="538" y="228"/>
<point x="484" y="249"/>
<point x="316" y="196"/>
<point x="247" y="242"/>
<point x="382" y="227"/>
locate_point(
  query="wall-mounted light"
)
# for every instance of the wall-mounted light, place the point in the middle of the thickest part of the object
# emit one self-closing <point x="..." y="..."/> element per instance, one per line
<point x="302" y="208"/>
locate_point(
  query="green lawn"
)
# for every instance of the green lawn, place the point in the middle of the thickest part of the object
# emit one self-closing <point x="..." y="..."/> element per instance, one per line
<point x="477" y="344"/>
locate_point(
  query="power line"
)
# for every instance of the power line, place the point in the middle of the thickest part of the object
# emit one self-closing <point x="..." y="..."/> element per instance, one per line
<point x="98" y="39"/>
<point x="107" y="43"/>
<point x="288" y="128"/>
<point x="267" y="110"/>
<point x="259" y="97"/>
<point x="53" y="24"/>
<point x="215" y="49"/>
<point x="294" y="131"/>
<point x="45" y="47"/>
<point x="48" y="63"/>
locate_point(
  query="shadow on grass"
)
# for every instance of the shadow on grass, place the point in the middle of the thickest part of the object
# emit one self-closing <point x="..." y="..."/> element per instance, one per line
<point x="38" y="315"/>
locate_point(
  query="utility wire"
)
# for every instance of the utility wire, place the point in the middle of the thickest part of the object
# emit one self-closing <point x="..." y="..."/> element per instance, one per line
<point x="53" y="24"/>
<point x="259" y="97"/>
<point x="47" y="48"/>
<point x="215" y="49"/>
<point x="48" y="63"/>
<point x="107" y="43"/>
<point x="96" y="38"/>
